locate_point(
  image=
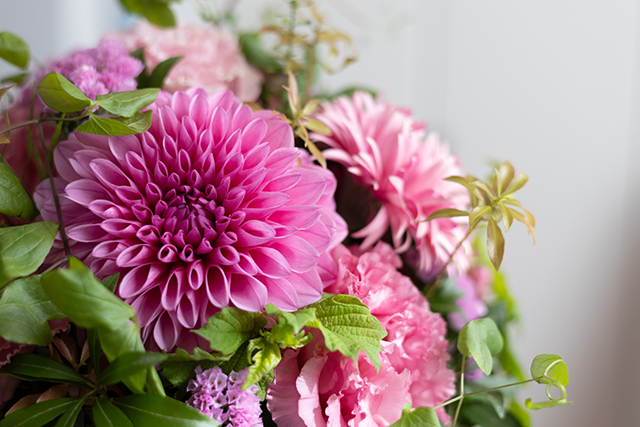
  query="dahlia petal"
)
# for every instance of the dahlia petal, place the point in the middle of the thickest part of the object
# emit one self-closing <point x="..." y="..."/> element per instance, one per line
<point x="173" y="289"/>
<point x="299" y="254"/>
<point x="308" y="286"/>
<point x="219" y="124"/>
<point x="282" y="294"/>
<point x="87" y="233"/>
<point x="297" y="216"/>
<point x="136" y="255"/>
<point x="283" y="183"/>
<point x="148" y="306"/>
<point x="247" y="293"/>
<point x="109" y="174"/>
<point x="255" y="233"/>
<point x="187" y="312"/>
<point x="109" y="250"/>
<point x="140" y="279"/>
<point x="217" y="286"/>
<point x="270" y="262"/>
<point x="107" y="209"/>
<point x="195" y="274"/>
<point x="85" y="191"/>
<point x="309" y="190"/>
<point x="165" y="332"/>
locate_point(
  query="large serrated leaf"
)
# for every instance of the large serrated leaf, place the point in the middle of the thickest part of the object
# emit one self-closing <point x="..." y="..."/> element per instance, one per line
<point x="24" y="248"/>
<point x="348" y="327"/>
<point x="265" y="356"/>
<point x="24" y="311"/>
<point x="418" y="417"/>
<point x="228" y="329"/>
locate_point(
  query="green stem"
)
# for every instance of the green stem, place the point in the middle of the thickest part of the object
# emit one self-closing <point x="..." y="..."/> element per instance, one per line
<point x="443" y="269"/>
<point x="455" y="416"/>
<point x="461" y="396"/>
<point x="63" y="233"/>
<point x="55" y="138"/>
<point x="44" y="119"/>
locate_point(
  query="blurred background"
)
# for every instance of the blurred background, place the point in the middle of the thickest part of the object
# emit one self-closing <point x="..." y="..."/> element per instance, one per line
<point x="553" y="87"/>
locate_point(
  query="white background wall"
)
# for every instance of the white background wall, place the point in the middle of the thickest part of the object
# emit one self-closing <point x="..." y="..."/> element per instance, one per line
<point x="552" y="86"/>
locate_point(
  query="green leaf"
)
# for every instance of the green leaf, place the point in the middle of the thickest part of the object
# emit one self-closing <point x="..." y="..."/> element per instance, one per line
<point x="482" y="413"/>
<point x="84" y="299"/>
<point x="495" y="243"/>
<point x="106" y="414"/>
<point x="481" y="340"/>
<point x="94" y="348"/>
<point x="33" y="367"/>
<point x="180" y="367"/>
<point x="256" y="53"/>
<point x="61" y="95"/>
<point x="128" y="103"/>
<point x="265" y="359"/>
<point x="348" y="327"/>
<point x="230" y="327"/>
<point x="125" y="339"/>
<point x="418" y="417"/>
<point x="160" y="73"/>
<point x="111" y="282"/>
<point x="15" y="78"/>
<point x="477" y="213"/>
<point x="444" y="299"/>
<point x="461" y="180"/>
<point x="505" y="175"/>
<point x="493" y="398"/>
<point x="509" y="363"/>
<point x="516" y="183"/>
<point x="551" y="368"/>
<point x="23" y="248"/>
<point x="119" y="126"/>
<point x="148" y="410"/>
<point x="4" y="90"/>
<point x="159" y="14"/>
<point x="39" y="414"/>
<point x="240" y="360"/>
<point x="24" y="311"/>
<point x="534" y="406"/>
<point x="507" y="218"/>
<point x="68" y="419"/>
<point x="14" y="200"/>
<point x="129" y="364"/>
<point x="287" y="331"/>
<point x="14" y="50"/>
<point x="520" y="414"/>
<point x="447" y="213"/>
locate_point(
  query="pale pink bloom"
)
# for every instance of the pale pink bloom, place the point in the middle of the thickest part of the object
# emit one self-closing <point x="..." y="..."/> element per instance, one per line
<point x="388" y="152"/>
<point x="212" y="59"/>
<point x="207" y="209"/>
<point x="314" y="387"/>
<point x="472" y="304"/>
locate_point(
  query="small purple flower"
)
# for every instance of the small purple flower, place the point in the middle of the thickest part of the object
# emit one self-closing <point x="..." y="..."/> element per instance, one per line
<point x="221" y="397"/>
<point x="105" y="69"/>
<point x="471" y="304"/>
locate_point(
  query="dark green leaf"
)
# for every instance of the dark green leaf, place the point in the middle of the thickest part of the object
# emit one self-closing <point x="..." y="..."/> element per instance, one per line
<point x="133" y="5"/>
<point x="61" y="95"/>
<point x="125" y="339"/>
<point x="493" y="398"/>
<point x="256" y="53"/>
<point x="97" y="125"/>
<point x="24" y="311"/>
<point x="230" y="327"/>
<point x="111" y="282"/>
<point x="148" y="410"/>
<point x="447" y="213"/>
<point x="348" y="327"/>
<point x="481" y="340"/>
<point x="68" y="419"/>
<point x="14" y="200"/>
<point x="265" y="359"/>
<point x="14" y="50"/>
<point x="238" y="361"/>
<point x="106" y="414"/>
<point x="94" y="348"/>
<point x="478" y="412"/>
<point x="84" y="299"/>
<point x="159" y="14"/>
<point x="161" y="71"/>
<point x="129" y="364"/>
<point x="33" y="367"/>
<point x="128" y="103"/>
<point x="39" y="414"/>
<point x="418" y="417"/>
<point x="23" y="248"/>
<point x="495" y="244"/>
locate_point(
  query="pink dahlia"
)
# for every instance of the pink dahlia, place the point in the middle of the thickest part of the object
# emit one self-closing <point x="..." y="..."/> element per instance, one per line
<point x="207" y="209"/>
<point x="387" y="151"/>
<point x="212" y="59"/>
<point x="104" y="69"/>
<point x="315" y="387"/>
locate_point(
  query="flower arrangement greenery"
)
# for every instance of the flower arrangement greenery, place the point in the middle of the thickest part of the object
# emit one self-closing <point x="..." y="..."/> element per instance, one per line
<point x="193" y="234"/>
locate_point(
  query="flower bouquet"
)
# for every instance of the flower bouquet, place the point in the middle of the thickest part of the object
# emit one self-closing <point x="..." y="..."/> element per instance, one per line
<point x="195" y="234"/>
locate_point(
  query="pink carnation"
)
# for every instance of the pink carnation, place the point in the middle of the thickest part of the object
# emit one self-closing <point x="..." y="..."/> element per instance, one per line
<point x="212" y="59"/>
<point x="314" y="387"/>
<point x="207" y="209"/>
<point x="387" y="151"/>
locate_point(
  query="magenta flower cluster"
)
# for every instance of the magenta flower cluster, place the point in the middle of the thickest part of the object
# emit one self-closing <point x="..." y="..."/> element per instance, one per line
<point x="104" y="69"/>
<point x="221" y="397"/>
